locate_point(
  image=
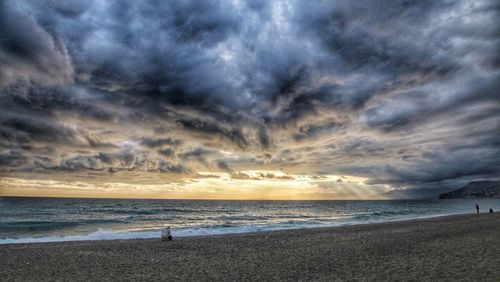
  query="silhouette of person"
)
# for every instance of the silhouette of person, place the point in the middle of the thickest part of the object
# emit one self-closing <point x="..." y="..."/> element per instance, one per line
<point x="477" y="208"/>
<point x="491" y="210"/>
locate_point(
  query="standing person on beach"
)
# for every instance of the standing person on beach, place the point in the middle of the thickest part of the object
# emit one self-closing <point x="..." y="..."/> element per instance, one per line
<point x="477" y="208"/>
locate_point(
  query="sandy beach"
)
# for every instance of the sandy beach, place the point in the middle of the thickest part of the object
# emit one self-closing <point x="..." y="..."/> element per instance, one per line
<point x="458" y="247"/>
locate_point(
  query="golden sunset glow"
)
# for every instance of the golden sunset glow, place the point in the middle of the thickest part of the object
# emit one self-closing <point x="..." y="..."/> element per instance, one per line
<point x="242" y="185"/>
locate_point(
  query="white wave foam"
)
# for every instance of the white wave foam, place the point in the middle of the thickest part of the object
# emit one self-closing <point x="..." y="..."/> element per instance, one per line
<point x="105" y="234"/>
<point x="100" y="234"/>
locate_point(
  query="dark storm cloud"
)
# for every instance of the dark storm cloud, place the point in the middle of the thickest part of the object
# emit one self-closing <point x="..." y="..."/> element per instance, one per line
<point x="224" y="166"/>
<point x="29" y="52"/>
<point x="441" y="172"/>
<point x="119" y="161"/>
<point x="264" y="138"/>
<point x="403" y="93"/>
<point x="81" y="162"/>
<point x="360" y="146"/>
<point x="420" y="106"/>
<point x="153" y="143"/>
<point x="232" y="134"/>
<point x="313" y="130"/>
<point x="167" y="152"/>
<point x="454" y="163"/>
<point x="198" y="154"/>
<point x="165" y="61"/>
<point x="23" y="129"/>
<point x="39" y="101"/>
<point x="12" y="159"/>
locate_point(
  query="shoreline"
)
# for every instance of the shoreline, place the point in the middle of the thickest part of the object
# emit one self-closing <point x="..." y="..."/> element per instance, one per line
<point x="453" y="247"/>
<point x="75" y="237"/>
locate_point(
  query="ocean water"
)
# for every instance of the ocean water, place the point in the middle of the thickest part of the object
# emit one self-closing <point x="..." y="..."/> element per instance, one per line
<point x="25" y="220"/>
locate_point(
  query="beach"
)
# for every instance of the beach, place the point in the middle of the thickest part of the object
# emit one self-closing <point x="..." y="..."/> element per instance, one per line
<point x="456" y="247"/>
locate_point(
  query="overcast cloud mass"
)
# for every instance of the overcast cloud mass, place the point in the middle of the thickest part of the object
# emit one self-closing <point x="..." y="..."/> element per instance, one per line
<point x="404" y="95"/>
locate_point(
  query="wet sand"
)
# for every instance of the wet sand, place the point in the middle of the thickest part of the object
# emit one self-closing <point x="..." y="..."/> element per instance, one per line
<point x="459" y="247"/>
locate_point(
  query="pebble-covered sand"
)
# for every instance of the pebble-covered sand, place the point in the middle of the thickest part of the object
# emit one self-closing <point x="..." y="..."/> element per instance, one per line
<point x="463" y="247"/>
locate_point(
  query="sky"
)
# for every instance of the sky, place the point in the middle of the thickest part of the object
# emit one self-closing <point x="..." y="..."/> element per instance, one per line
<point x="248" y="99"/>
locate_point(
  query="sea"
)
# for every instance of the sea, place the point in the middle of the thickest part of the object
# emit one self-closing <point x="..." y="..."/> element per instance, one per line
<point x="29" y="220"/>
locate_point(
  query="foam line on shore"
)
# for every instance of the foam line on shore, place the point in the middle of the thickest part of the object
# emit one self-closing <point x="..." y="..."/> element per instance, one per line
<point x="106" y="234"/>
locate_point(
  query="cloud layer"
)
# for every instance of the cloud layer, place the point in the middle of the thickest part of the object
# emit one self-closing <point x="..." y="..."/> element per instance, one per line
<point x="402" y="93"/>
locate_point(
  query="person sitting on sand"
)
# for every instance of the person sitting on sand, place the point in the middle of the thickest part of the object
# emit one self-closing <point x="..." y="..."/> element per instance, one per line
<point x="477" y="208"/>
<point x="491" y="210"/>
<point x="166" y="235"/>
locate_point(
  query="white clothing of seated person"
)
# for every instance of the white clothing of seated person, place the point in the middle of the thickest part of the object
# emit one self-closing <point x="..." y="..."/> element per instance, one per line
<point x="166" y="234"/>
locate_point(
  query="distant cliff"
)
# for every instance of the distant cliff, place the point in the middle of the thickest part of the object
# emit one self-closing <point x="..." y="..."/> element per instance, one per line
<point x="475" y="189"/>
